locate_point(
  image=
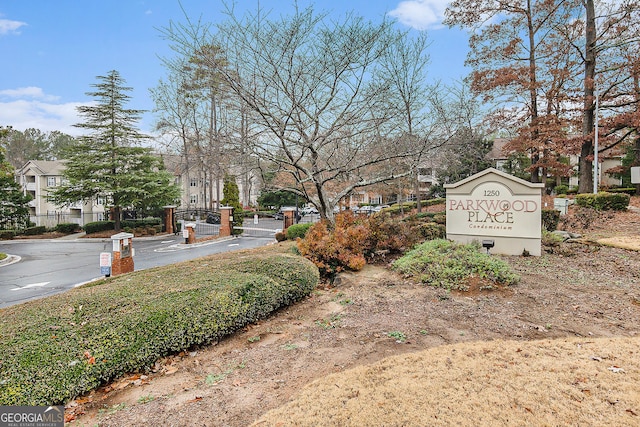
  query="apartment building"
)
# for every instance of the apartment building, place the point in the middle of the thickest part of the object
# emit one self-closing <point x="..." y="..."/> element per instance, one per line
<point x="37" y="178"/>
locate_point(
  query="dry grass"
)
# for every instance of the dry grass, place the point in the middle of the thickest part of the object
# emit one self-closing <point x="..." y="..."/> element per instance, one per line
<point x="568" y="382"/>
<point x="625" y="242"/>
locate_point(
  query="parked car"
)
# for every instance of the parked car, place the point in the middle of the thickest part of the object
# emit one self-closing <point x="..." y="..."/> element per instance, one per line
<point x="380" y="207"/>
<point x="280" y="214"/>
<point x="307" y="210"/>
<point x="213" y="218"/>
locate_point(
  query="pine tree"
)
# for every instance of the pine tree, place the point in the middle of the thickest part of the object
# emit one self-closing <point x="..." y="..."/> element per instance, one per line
<point x="14" y="212"/>
<point x="232" y="198"/>
<point x="107" y="162"/>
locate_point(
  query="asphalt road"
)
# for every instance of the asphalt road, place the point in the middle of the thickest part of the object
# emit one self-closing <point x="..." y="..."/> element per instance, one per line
<point x="47" y="267"/>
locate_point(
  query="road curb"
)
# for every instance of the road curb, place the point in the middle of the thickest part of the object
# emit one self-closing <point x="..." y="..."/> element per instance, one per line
<point x="10" y="259"/>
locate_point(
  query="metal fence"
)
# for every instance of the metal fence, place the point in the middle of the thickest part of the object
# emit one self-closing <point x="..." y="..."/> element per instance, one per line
<point x="52" y="219"/>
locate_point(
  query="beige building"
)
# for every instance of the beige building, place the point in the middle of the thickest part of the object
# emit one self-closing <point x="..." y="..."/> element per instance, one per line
<point x="37" y="178"/>
<point x="199" y="190"/>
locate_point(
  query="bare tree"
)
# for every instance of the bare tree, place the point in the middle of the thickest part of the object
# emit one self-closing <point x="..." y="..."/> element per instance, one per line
<point x="324" y="100"/>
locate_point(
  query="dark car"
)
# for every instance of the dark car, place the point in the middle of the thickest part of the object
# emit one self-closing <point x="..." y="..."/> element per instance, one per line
<point x="213" y="218"/>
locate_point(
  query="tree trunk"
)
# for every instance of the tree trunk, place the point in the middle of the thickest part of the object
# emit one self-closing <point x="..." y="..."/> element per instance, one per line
<point x="586" y="151"/>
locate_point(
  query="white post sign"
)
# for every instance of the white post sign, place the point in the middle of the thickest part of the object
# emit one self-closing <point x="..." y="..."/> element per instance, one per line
<point x="105" y="263"/>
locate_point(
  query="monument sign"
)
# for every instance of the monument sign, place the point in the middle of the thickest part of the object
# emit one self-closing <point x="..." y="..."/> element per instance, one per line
<point x="499" y="210"/>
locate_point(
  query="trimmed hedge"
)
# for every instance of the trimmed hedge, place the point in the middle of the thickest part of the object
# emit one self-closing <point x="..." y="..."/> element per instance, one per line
<point x="298" y="230"/>
<point x="97" y="226"/>
<point x="68" y="227"/>
<point x="7" y="234"/>
<point x="34" y="231"/>
<point x="604" y="201"/>
<point x="56" y="348"/>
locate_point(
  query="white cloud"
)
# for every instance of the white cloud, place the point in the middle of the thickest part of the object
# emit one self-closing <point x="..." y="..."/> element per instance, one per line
<point x="420" y="14"/>
<point x="23" y="114"/>
<point x="7" y="26"/>
<point x="28" y="92"/>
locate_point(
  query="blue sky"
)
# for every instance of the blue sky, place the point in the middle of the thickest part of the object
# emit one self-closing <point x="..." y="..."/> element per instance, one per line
<point x="52" y="51"/>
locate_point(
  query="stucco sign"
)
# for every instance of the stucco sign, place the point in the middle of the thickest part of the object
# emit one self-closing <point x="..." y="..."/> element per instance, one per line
<point x="497" y="206"/>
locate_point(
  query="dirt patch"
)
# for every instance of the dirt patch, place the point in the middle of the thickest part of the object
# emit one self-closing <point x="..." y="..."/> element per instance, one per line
<point x="584" y="291"/>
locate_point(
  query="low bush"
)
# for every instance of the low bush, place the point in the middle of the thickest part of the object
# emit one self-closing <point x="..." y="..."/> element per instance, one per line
<point x="385" y="234"/>
<point x="432" y="231"/>
<point x="347" y="244"/>
<point x="97" y="226"/>
<point x="631" y="191"/>
<point x="561" y="189"/>
<point x="56" y="348"/>
<point x="140" y="223"/>
<point x="2" y="256"/>
<point x="34" y="231"/>
<point x="68" y="227"/>
<point x="451" y="265"/>
<point x="7" y="234"/>
<point x="336" y="247"/>
<point x="550" y="219"/>
<point x="281" y="236"/>
<point x="298" y="230"/>
<point x="604" y="201"/>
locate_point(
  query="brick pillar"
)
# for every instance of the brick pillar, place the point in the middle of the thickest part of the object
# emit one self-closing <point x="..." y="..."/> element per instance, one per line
<point x="191" y="229"/>
<point x="169" y="213"/>
<point x="289" y="219"/>
<point x="122" y="260"/>
<point x="226" y="221"/>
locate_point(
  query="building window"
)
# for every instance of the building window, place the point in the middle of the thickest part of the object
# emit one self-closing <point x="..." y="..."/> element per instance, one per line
<point x="51" y="181"/>
<point x="193" y="183"/>
<point x="193" y="198"/>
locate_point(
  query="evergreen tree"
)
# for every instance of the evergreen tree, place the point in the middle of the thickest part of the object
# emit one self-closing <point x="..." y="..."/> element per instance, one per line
<point x="14" y="212"/>
<point x="106" y="162"/>
<point x="232" y="198"/>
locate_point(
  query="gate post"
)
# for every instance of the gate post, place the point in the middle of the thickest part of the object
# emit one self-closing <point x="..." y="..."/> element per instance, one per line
<point x="169" y="219"/>
<point x="226" y="221"/>
<point x="289" y="218"/>
<point x="122" y="261"/>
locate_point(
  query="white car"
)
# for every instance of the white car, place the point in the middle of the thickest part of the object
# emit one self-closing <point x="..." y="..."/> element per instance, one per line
<point x="308" y="210"/>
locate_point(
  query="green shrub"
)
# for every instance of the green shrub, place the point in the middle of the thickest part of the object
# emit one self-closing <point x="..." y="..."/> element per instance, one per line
<point x="7" y="234"/>
<point x="432" y="231"/>
<point x="2" y="256"/>
<point x="34" y="231"/>
<point x="450" y="265"/>
<point x="56" y="348"/>
<point x="604" y="201"/>
<point x="140" y="223"/>
<point x="298" y="230"/>
<point x="561" y="189"/>
<point x="630" y="191"/>
<point x="68" y="227"/>
<point x="550" y="219"/>
<point x="97" y="226"/>
<point x="551" y="239"/>
<point x="440" y="218"/>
